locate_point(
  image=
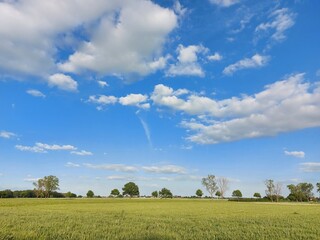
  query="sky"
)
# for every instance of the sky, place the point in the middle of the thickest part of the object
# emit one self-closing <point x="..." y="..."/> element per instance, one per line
<point x="161" y="93"/>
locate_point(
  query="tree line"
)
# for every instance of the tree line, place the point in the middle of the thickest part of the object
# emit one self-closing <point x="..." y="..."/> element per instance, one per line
<point x="47" y="187"/>
<point x="300" y="192"/>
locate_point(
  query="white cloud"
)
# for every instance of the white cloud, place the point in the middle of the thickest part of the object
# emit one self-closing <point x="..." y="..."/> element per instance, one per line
<point x="31" y="179"/>
<point x="62" y="82"/>
<point x="71" y="164"/>
<point x="137" y="100"/>
<point x="125" y="43"/>
<point x="82" y="153"/>
<point x="187" y="63"/>
<point x="31" y="47"/>
<point x="310" y="166"/>
<point x="297" y="154"/>
<point x="127" y="178"/>
<point x="30" y="149"/>
<point x="283" y="106"/>
<point x="102" y="99"/>
<point x="215" y="57"/>
<point x="166" y="169"/>
<point x="179" y="9"/>
<point x="281" y="20"/>
<point x="102" y="84"/>
<point x="254" y="62"/>
<point x="112" y="167"/>
<point x="55" y="147"/>
<point x="35" y="93"/>
<point x="123" y="37"/>
<point x="6" y="134"/>
<point x="224" y="3"/>
<point x="43" y="148"/>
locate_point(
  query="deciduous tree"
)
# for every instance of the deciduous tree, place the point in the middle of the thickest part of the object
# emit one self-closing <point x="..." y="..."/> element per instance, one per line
<point x="51" y="183"/>
<point x="237" y="193"/>
<point x="257" y="195"/>
<point x="90" y="194"/>
<point x="155" y="194"/>
<point x="130" y="189"/>
<point x="199" y="193"/>
<point x="115" y="192"/>
<point x="223" y="185"/>
<point x="270" y="188"/>
<point x="210" y="184"/>
<point x="165" y="193"/>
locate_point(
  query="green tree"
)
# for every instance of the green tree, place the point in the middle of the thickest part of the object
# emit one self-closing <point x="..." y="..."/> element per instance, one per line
<point x="218" y="194"/>
<point x="155" y="194"/>
<point x="130" y="189"/>
<point x="257" y="195"/>
<point x="115" y="192"/>
<point x="39" y="188"/>
<point x="90" y="194"/>
<point x="237" y="193"/>
<point x="165" y="193"/>
<point x="51" y="183"/>
<point x="270" y="188"/>
<point x="210" y="184"/>
<point x="318" y="187"/>
<point x="300" y="192"/>
<point x="70" y="195"/>
<point x="199" y="193"/>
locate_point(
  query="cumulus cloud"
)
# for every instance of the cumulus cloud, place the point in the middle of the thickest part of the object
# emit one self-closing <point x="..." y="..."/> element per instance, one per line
<point x="215" y="57"/>
<point x="112" y="167"/>
<point x="44" y="148"/>
<point x="102" y="99"/>
<point x="62" y="82"/>
<point x="280" y="21"/>
<point x="6" y="134"/>
<point x="224" y="3"/>
<point x="122" y="37"/>
<point x="310" y="166"/>
<point x="31" y="47"/>
<point x="255" y="61"/>
<point x="129" y="42"/>
<point x="35" y="93"/>
<point x="297" y="154"/>
<point x="166" y="169"/>
<point x="287" y="105"/>
<point x="187" y="63"/>
<point x="137" y="100"/>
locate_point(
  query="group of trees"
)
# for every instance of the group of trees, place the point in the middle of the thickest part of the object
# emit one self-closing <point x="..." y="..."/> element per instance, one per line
<point x="132" y="190"/>
<point x="300" y="192"/>
<point x="44" y="187"/>
<point x="216" y="186"/>
<point x="129" y="189"/>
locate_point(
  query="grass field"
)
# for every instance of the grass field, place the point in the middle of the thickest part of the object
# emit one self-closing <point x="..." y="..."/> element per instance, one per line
<point x="155" y="219"/>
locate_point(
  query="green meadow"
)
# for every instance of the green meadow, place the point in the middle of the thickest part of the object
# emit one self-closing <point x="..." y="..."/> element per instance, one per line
<point x="156" y="219"/>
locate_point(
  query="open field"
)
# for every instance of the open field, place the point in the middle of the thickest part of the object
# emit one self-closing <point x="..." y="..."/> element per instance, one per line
<point x="155" y="219"/>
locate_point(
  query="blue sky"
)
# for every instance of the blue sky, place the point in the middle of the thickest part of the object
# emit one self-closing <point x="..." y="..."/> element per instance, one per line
<point x="161" y="93"/>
